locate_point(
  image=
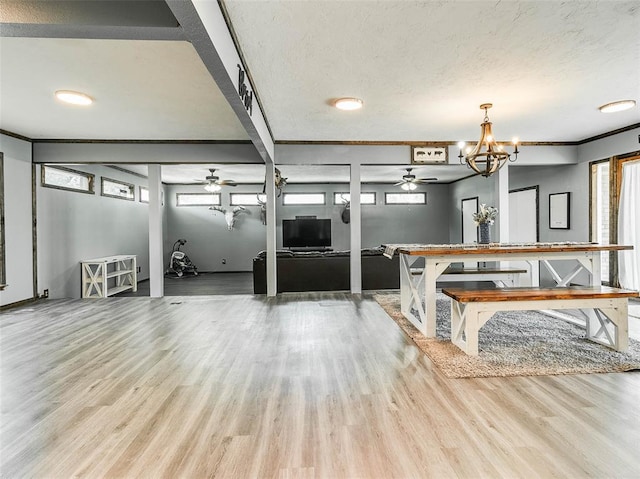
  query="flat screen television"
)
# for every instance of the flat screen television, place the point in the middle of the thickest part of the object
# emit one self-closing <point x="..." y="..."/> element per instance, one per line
<point x="306" y="233"/>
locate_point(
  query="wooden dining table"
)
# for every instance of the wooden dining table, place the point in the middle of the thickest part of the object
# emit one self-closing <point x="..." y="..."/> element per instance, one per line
<point x="418" y="284"/>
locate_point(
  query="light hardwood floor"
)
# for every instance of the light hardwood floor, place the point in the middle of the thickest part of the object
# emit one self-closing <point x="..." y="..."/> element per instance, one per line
<point x="304" y="385"/>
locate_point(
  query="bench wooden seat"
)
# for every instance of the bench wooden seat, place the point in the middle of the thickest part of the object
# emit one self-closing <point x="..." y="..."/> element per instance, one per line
<point x="605" y="310"/>
<point x="500" y="276"/>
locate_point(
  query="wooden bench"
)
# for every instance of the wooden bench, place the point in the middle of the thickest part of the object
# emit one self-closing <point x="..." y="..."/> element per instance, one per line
<point x="605" y="309"/>
<point x="500" y="276"/>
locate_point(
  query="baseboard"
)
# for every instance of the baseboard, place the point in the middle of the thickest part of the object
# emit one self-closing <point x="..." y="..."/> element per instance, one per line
<point x="19" y="303"/>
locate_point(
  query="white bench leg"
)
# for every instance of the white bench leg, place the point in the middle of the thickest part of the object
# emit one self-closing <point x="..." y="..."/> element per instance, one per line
<point x="458" y="324"/>
<point x="466" y="321"/>
<point x="609" y="326"/>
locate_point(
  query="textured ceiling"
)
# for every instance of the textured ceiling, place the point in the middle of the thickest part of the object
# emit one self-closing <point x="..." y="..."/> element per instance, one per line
<point x="423" y="68"/>
<point x="142" y="90"/>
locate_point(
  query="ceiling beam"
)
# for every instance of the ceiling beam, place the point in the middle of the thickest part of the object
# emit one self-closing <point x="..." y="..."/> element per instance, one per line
<point x="205" y="27"/>
<point x="91" y="32"/>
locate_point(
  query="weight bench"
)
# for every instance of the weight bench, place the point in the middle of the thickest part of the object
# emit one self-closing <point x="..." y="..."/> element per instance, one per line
<point x="605" y="309"/>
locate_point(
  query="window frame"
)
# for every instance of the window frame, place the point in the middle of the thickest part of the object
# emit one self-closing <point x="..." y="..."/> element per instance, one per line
<point x="422" y="193"/>
<point x="337" y="193"/>
<point x="90" y="177"/>
<point x="215" y="195"/>
<point x="131" y="187"/>
<point x="291" y="195"/>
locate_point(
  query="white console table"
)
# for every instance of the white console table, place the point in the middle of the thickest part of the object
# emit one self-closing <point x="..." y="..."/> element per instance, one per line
<point x="102" y="277"/>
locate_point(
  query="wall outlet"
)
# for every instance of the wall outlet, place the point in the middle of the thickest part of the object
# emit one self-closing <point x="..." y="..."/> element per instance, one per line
<point x="45" y="293"/>
<point x="224" y="260"/>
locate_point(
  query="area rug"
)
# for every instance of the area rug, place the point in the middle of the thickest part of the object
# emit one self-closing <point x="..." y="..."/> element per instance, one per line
<point x="515" y="343"/>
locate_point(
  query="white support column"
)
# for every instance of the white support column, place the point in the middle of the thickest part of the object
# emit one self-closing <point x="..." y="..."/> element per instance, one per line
<point x="356" y="231"/>
<point x="501" y="195"/>
<point x="156" y="253"/>
<point x="272" y="277"/>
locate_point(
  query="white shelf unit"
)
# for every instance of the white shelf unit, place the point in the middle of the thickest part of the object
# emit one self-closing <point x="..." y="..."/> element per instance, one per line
<point x="102" y="277"/>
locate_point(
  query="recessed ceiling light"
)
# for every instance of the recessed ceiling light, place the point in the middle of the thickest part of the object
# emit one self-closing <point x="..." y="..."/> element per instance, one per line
<point x="617" y="106"/>
<point x="74" y="97"/>
<point x="348" y="103"/>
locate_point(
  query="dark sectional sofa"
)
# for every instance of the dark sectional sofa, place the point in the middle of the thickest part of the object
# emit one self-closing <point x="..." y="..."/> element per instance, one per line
<point x="326" y="271"/>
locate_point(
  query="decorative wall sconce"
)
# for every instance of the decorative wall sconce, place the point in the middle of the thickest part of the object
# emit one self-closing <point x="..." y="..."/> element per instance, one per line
<point x="488" y="156"/>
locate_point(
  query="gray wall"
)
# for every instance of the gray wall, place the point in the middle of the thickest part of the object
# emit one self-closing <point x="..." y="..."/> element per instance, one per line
<point x="75" y="226"/>
<point x="428" y="223"/>
<point x="558" y="179"/>
<point x="619" y="144"/>
<point x="208" y="239"/>
<point x="380" y="223"/>
<point x="478" y="186"/>
<point x="145" y="153"/>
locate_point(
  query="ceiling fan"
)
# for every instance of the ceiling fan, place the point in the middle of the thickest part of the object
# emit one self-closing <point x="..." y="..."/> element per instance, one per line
<point x="213" y="182"/>
<point x="409" y="181"/>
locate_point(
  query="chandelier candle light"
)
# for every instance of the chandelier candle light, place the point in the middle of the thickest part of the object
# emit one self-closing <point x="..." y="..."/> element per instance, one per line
<point x="483" y="219"/>
<point x="488" y="156"/>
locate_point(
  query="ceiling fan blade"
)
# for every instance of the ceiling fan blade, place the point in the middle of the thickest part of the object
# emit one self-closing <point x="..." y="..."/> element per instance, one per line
<point x="400" y="183"/>
<point x="425" y="180"/>
<point x="227" y="183"/>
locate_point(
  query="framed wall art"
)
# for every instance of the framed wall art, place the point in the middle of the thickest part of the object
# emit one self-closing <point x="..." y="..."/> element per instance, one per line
<point x="559" y="211"/>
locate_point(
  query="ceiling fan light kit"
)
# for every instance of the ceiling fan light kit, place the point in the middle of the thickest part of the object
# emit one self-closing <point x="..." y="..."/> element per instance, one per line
<point x="409" y="181"/>
<point x="213" y="183"/>
<point x="488" y="156"/>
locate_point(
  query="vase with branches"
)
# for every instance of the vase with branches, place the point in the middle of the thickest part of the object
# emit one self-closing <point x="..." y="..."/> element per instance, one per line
<point x="483" y="219"/>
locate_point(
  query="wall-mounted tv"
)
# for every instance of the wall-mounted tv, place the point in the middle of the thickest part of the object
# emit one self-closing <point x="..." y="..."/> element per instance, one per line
<point x="306" y="233"/>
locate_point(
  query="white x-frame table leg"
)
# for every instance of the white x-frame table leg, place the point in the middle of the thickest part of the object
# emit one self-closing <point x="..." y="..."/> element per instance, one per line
<point x="92" y="281"/>
<point x="418" y="293"/>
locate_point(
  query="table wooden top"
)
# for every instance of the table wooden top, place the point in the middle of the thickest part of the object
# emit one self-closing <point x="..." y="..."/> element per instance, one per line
<point x="500" y="248"/>
<point x="110" y="259"/>
<point x="532" y="294"/>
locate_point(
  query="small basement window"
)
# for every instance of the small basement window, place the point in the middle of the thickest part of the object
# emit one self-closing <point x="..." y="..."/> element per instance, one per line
<point x="117" y="189"/>
<point x="365" y="198"/>
<point x="290" y="199"/>
<point x="144" y="195"/>
<point x="405" y="198"/>
<point x="66" y="179"/>
<point x="197" y="199"/>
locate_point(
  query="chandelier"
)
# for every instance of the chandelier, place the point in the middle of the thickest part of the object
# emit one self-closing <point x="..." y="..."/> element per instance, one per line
<point x="488" y="156"/>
